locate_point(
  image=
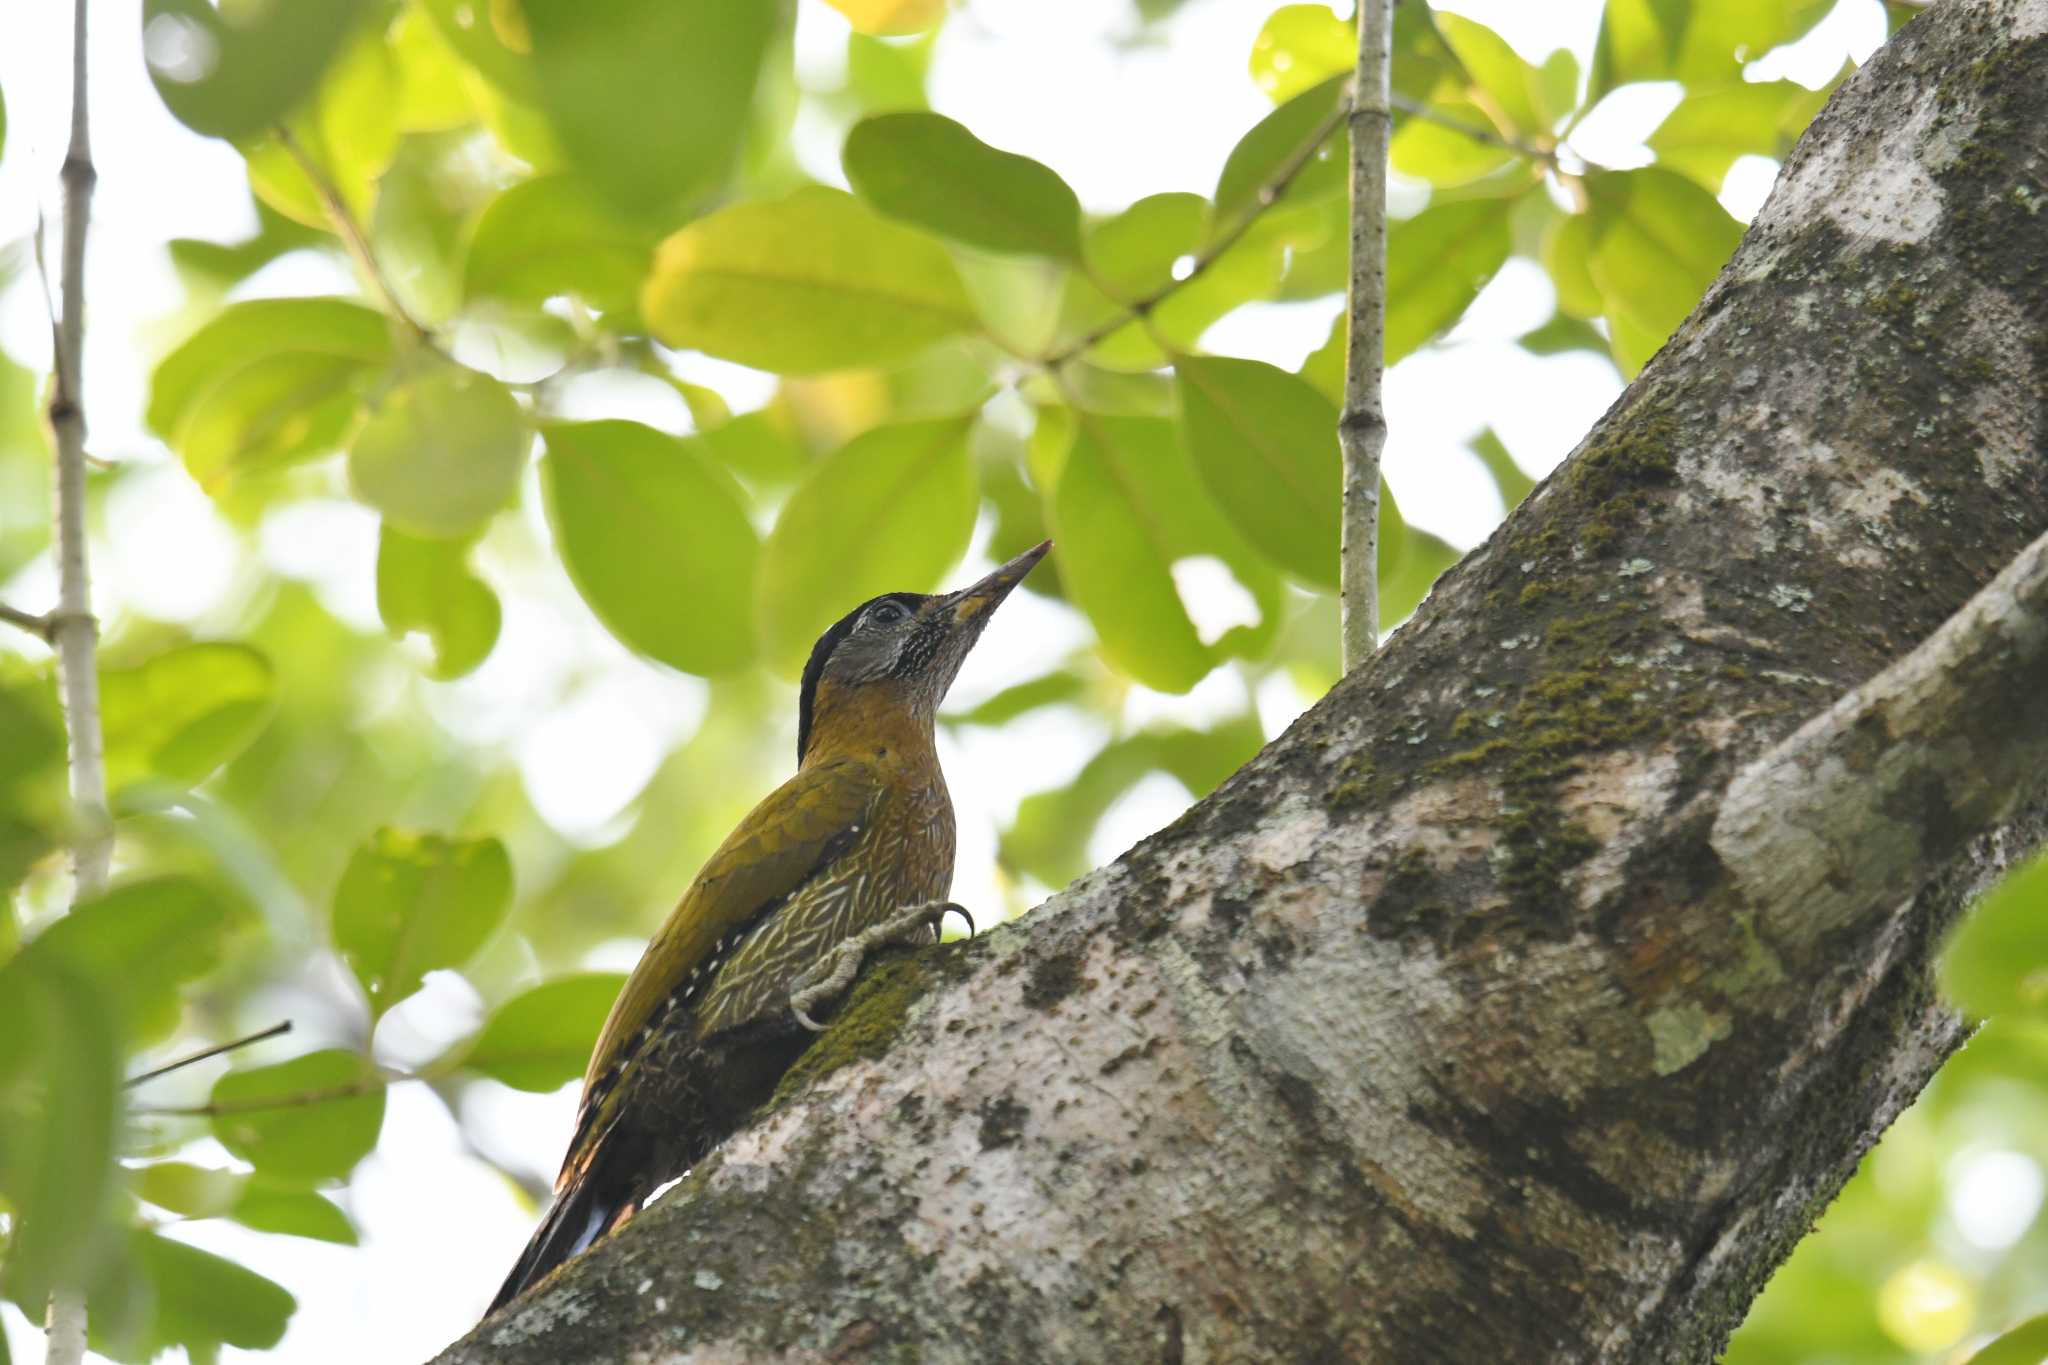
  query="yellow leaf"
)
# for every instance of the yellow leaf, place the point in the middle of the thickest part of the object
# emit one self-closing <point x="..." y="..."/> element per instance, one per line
<point x="882" y="17"/>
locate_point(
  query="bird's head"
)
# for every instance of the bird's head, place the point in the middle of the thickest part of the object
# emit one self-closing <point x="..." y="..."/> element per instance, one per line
<point x="898" y="653"/>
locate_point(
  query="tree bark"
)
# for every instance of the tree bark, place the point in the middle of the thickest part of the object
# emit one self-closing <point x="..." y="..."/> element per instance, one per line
<point x="1531" y="996"/>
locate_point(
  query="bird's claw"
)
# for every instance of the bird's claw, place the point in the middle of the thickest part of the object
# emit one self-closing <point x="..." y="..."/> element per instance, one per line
<point x="829" y="977"/>
<point x="950" y="908"/>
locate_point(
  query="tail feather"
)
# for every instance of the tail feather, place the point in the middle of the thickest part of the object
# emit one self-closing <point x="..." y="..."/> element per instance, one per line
<point x="579" y="1216"/>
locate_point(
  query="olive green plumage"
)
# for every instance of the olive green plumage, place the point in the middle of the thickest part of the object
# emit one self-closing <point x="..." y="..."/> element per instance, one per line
<point x="704" y="1027"/>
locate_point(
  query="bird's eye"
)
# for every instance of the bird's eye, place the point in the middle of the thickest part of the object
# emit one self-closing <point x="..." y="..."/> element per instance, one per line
<point x="887" y="614"/>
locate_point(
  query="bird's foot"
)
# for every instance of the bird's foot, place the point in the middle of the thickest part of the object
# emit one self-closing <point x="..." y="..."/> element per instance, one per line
<point x="828" y="978"/>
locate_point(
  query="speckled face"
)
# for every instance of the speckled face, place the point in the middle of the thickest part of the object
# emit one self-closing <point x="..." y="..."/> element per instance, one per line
<point x="918" y="640"/>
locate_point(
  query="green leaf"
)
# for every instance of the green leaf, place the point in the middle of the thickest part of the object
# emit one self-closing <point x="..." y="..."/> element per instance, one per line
<point x="33" y="778"/>
<point x="1408" y="567"/>
<point x="930" y="171"/>
<point x="2026" y="1344"/>
<point x="1697" y="43"/>
<point x="349" y="130"/>
<point x="232" y="70"/>
<point x="293" y="1213"/>
<point x="428" y="586"/>
<point x="890" y="511"/>
<point x="1053" y="689"/>
<point x="542" y="1039"/>
<point x="1437" y="262"/>
<point x="1324" y="366"/>
<point x="650" y="98"/>
<point x="141" y="942"/>
<point x="1509" y="85"/>
<point x="409" y="904"/>
<point x="1563" y="333"/>
<point x="1127" y="508"/>
<point x="492" y="38"/>
<point x="1049" y="838"/>
<point x="882" y="76"/>
<point x="1265" y="443"/>
<point x="264" y="383"/>
<point x="550" y="236"/>
<point x="179" y="715"/>
<point x="1708" y="130"/>
<point x="59" y="1116"/>
<point x="1441" y="154"/>
<point x="1305" y="126"/>
<point x="1301" y="46"/>
<point x="431" y="95"/>
<point x="813" y="282"/>
<point x="204" y="1301"/>
<point x="1658" y="240"/>
<point x="620" y="497"/>
<point x="1514" y="485"/>
<point x="442" y="452"/>
<point x="1567" y="255"/>
<point x="1134" y="255"/>
<point x="1997" y="961"/>
<point x="188" y="1190"/>
<point x="302" y="1121"/>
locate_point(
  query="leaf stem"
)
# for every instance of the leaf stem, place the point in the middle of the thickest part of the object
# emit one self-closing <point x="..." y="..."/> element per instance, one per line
<point x="274" y="1031"/>
<point x="1491" y="137"/>
<point x="1362" y="426"/>
<point x="352" y="234"/>
<point x="1269" y="194"/>
<point x="39" y="626"/>
<point x="258" y="1104"/>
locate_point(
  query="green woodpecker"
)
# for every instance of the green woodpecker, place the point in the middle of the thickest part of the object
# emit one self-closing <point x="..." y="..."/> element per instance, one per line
<point x="854" y="851"/>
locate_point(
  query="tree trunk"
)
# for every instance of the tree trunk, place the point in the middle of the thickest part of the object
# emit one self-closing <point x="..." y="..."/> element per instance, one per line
<point x="1533" y="994"/>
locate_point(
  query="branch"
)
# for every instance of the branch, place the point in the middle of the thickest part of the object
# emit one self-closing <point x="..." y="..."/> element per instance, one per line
<point x="1834" y="816"/>
<point x="274" y="1031"/>
<point x="38" y="626"/>
<point x="1490" y="136"/>
<point x="1362" y="427"/>
<point x="362" y="1085"/>
<point x="72" y="630"/>
<point x="1269" y="194"/>
<point x="352" y="234"/>
<point x="1444" y="1030"/>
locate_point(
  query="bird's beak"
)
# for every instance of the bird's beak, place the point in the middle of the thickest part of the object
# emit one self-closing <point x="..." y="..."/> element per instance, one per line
<point x="974" y="602"/>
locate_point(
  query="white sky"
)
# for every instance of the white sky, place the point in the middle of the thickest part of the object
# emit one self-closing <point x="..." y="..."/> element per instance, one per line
<point x="1036" y="76"/>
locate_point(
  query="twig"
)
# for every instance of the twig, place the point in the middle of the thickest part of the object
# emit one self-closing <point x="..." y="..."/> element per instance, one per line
<point x="1268" y="195"/>
<point x="351" y="233"/>
<point x="1489" y="136"/>
<point x="299" y="1099"/>
<point x="28" y="621"/>
<point x="1362" y="428"/>
<point x="275" y="1030"/>
<point x="73" y="631"/>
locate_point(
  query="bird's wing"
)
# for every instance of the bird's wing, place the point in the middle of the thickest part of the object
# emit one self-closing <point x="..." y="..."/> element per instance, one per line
<point x="785" y="841"/>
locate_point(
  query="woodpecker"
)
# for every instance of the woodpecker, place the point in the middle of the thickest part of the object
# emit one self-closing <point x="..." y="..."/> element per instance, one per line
<point x="854" y="851"/>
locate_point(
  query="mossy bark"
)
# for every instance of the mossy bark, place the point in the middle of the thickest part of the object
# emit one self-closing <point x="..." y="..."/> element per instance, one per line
<point x="1456" y="1026"/>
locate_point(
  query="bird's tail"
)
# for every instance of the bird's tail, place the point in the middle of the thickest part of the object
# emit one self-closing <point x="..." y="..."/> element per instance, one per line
<point x="582" y="1212"/>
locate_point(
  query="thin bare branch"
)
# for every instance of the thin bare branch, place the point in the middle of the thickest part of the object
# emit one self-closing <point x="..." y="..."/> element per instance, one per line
<point x="352" y="234"/>
<point x="73" y="631"/>
<point x="38" y="626"/>
<point x="1490" y="136"/>
<point x="274" y="1031"/>
<point x="1362" y="427"/>
<point x="1269" y="194"/>
<point x="366" y="1084"/>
